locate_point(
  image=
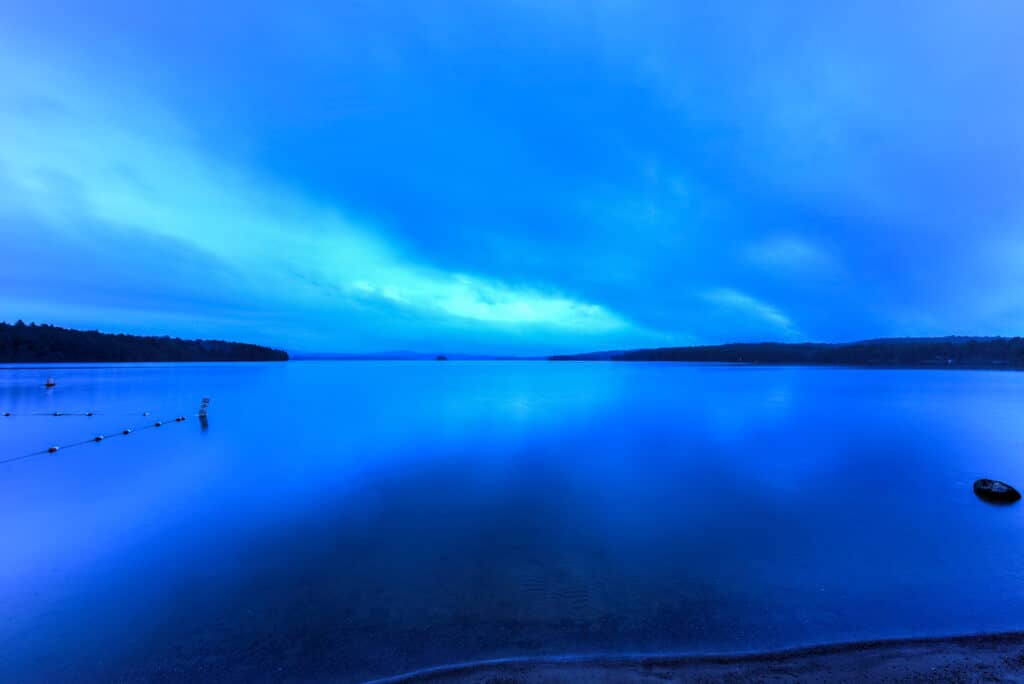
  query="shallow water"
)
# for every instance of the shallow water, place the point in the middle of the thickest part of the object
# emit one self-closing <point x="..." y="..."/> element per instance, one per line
<point x="357" y="520"/>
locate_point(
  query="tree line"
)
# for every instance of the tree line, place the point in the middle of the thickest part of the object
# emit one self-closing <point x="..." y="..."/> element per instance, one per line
<point x="963" y="352"/>
<point x="31" y="343"/>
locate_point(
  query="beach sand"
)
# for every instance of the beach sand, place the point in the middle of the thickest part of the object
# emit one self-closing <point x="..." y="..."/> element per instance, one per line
<point x="990" y="658"/>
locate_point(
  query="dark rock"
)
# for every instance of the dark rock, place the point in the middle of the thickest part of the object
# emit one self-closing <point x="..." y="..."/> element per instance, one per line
<point x="994" y="490"/>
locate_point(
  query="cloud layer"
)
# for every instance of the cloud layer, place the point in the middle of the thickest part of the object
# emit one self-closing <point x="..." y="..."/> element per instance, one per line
<point x="525" y="177"/>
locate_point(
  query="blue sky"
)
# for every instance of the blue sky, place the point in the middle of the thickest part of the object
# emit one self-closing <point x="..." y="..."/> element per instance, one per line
<point x="526" y="177"/>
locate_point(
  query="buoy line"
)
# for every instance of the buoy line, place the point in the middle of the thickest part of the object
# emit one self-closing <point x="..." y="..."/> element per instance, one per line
<point x="85" y="414"/>
<point x="58" y="413"/>
<point x="95" y="439"/>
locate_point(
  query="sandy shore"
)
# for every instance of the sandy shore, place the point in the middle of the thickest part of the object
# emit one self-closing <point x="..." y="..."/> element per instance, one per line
<point x="989" y="658"/>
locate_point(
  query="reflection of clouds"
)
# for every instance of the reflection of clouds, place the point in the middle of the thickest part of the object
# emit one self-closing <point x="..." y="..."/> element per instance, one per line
<point x="732" y="419"/>
<point x="697" y="504"/>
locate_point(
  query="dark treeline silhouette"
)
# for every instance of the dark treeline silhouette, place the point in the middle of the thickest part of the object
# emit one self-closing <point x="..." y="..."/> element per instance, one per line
<point x="21" y="343"/>
<point x="943" y="352"/>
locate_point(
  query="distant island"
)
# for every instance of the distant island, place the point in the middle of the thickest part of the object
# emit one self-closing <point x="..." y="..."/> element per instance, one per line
<point x="31" y="343"/>
<point x="901" y="352"/>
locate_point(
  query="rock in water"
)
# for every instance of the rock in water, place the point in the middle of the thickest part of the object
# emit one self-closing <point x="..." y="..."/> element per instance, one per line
<point x="994" y="490"/>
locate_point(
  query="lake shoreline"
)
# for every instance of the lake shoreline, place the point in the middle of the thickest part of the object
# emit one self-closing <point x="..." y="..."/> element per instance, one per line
<point x="795" y="364"/>
<point x="987" y="657"/>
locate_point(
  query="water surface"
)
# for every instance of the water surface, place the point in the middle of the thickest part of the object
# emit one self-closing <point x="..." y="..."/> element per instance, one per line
<point x="356" y="520"/>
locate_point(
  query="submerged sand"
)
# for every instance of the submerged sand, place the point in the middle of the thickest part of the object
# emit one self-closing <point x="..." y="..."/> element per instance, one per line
<point x="989" y="658"/>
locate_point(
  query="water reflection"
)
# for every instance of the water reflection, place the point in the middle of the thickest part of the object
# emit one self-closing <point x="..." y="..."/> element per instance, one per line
<point x="361" y="519"/>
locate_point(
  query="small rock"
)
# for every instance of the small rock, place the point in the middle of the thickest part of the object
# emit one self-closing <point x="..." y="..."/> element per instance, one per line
<point x="994" y="490"/>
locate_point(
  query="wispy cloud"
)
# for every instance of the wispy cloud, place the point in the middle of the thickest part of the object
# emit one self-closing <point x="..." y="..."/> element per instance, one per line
<point x="758" y="314"/>
<point x="790" y="255"/>
<point x="84" y="158"/>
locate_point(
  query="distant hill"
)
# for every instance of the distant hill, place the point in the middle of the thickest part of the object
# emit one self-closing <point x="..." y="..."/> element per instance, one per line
<point x="21" y="343"/>
<point x="403" y="356"/>
<point x="902" y="352"/>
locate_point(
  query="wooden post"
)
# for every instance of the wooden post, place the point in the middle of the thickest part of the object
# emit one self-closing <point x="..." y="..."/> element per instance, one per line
<point x="204" y="421"/>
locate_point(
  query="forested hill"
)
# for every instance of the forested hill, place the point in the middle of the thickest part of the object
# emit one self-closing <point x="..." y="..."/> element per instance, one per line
<point x="21" y="343"/>
<point x="945" y="352"/>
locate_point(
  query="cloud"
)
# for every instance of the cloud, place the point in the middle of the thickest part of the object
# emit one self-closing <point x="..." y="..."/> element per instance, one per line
<point x="790" y="255"/>
<point x="527" y="173"/>
<point x="86" y="158"/>
<point x="758" y="315"/>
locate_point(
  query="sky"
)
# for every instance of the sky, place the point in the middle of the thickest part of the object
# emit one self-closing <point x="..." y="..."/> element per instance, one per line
<point x="530" y="176"/>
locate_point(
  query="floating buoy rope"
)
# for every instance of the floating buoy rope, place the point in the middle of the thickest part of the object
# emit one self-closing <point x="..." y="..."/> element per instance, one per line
<point x="85" y="414"/>
<point x="99" y="438"/>
<point x="92" y="440"/>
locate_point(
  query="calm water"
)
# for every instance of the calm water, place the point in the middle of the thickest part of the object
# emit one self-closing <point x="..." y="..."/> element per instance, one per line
<point x="357" y="520"/>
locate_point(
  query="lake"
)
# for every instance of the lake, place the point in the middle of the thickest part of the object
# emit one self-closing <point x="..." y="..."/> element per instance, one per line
<point x="362" y="519"/>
